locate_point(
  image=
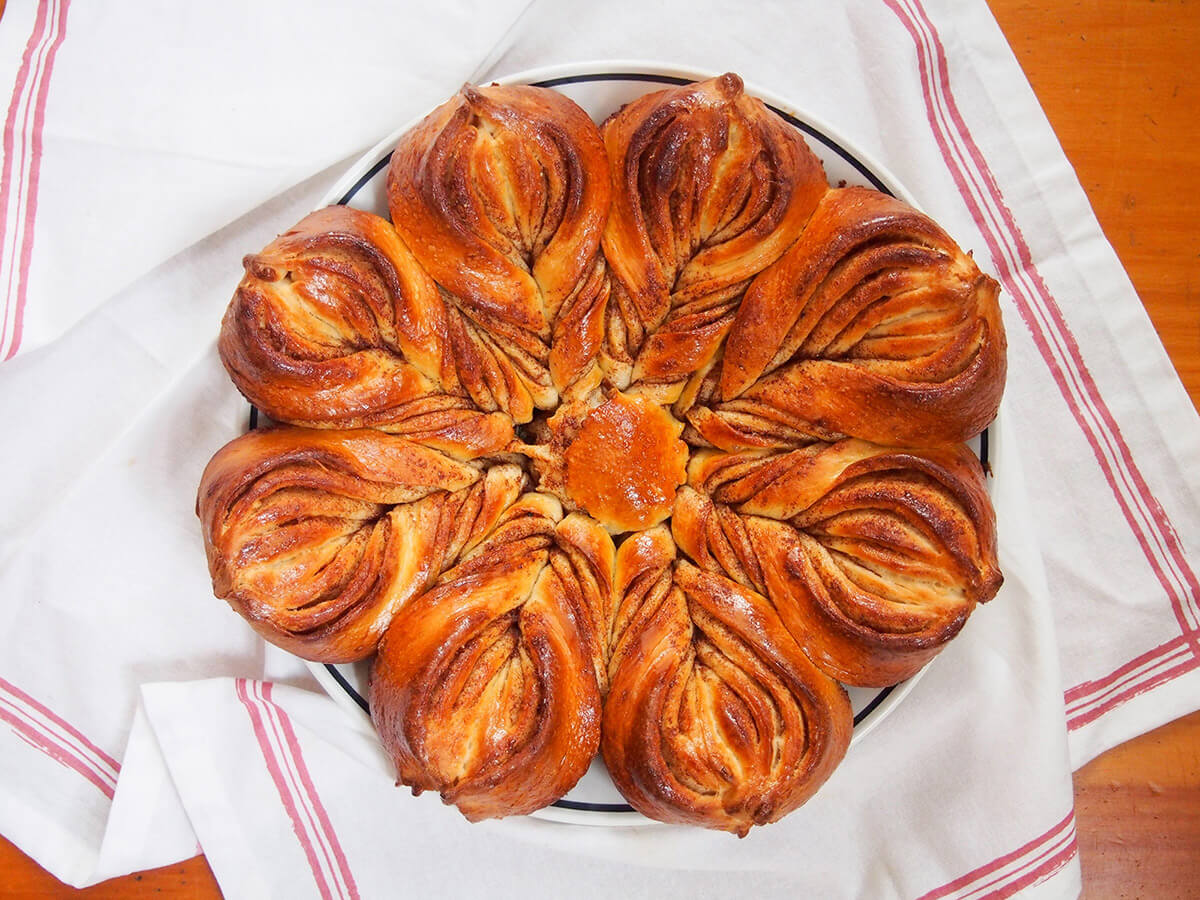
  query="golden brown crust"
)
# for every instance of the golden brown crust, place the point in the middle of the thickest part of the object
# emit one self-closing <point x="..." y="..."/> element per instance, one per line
<point x="874" y="557"/>
<point x="502" y="194"/>
<point x="317" y="538"/>
<point x="709" y="188"/>
<point x="682" y="275"/>
<point x="874" y="325"/>
<point x="486" y="688"/>
<point x="336" y="326"/>
<point x="715" y="716"/>
<point x="625" y="463"/>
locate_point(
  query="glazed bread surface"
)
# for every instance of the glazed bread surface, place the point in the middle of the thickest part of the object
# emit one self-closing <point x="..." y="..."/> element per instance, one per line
<point x="634" y="439"/>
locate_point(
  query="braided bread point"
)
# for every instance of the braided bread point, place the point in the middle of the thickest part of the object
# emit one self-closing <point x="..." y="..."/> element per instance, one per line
<point x="709" y="188"/>
<point x="317" y="538"/>
<point x="335" y="325"/>
<point x="502" y="194"/>
<point x="714" y="717"/>
<point x="487" y="688"/>
<point x="874" y="325"/>
<point x="874" y="557"/>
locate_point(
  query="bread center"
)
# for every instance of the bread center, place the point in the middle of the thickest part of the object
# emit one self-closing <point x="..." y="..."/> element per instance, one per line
<point x="626" y="462"/>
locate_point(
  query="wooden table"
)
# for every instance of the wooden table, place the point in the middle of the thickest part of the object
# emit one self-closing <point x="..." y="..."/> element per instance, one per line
<point x="1117" y="80"/>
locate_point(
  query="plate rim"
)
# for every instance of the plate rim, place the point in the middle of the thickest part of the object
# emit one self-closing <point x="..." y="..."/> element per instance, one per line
<point x="367" y="167"/>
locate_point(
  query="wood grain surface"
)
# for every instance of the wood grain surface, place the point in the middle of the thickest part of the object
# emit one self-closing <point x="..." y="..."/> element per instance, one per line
<point x="1118" y="81"/>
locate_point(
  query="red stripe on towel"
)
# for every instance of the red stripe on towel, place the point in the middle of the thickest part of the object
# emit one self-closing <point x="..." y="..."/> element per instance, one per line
<point x="297" y="758"/>
<point x="299" y="825"/>
<point x="1030" y="854"/>
<point x="49" y="733"/>
<point x="285" y="763"/>
<point x="1143" y="513"/>
<point x="22" y="170"/>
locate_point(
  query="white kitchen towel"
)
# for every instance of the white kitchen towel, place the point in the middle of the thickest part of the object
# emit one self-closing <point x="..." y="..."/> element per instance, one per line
<point x="112" y="422"/>
<point x="102" y="579"/>
<point x="147" y="824"/>
<point x="135" y="130"/>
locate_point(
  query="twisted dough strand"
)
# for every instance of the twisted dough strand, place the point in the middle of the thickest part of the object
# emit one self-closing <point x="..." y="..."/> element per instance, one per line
<point x="318" y="537"/>
<point x="335" y="325"/>
<point x="715" y="716"/>
<point x="502" y="193"/>
<point x="874" y="557"/>
<point x="710" y="188"/>
<point x="873" y="325"/>
<point x="487" y="688"/>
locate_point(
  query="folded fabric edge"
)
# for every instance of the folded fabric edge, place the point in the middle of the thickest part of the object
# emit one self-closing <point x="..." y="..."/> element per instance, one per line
<point x="200" y="786"/>
<point x="147" y="826"/>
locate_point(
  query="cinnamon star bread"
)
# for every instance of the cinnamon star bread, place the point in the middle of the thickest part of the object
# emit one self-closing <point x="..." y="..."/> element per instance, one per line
<point x="634" y="439"/>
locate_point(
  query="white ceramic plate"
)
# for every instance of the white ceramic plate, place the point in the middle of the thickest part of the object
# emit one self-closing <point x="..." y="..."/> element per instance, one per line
<point x="601" y="88"/>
